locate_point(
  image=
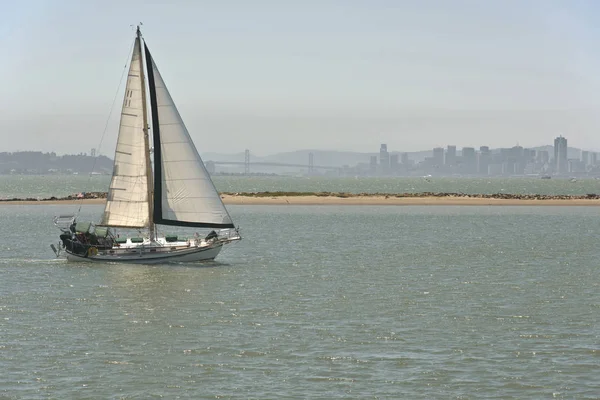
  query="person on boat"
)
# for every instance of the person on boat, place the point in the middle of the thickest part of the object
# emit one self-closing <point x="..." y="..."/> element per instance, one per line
<point x="211" y="235"/>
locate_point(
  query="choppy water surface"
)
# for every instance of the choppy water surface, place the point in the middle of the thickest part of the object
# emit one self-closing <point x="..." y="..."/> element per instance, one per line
<point x="315" y="302"/>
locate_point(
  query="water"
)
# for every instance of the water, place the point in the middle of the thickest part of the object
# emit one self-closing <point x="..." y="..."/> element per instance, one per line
<point x="316" y="302"/>
<point x="21" y="186"/>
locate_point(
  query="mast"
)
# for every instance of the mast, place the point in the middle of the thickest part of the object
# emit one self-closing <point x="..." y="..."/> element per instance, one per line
<point x="138" y="43"/>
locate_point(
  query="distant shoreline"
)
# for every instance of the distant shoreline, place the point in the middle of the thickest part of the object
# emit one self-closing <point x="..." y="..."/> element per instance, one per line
<point x="326" y="198"/>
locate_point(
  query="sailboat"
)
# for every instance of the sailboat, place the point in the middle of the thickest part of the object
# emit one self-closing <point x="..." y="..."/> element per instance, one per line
<point x="166" y="184"/>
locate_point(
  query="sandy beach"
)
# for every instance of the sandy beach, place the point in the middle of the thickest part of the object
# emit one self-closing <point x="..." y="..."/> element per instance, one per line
<point x="403" y="201"/>
<point x="355" y="200"/>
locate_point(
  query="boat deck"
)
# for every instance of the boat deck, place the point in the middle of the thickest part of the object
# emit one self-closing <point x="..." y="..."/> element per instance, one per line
<point x="158" y="246"/>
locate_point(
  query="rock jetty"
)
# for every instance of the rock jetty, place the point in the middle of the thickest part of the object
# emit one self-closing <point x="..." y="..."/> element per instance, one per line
<point x="77" y="196"/>
<point x="501" y="196"/>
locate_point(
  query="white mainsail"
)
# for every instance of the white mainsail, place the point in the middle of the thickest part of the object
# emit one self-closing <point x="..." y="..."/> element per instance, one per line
<point x="184" y="193"/>
<point x="127" y="204"/>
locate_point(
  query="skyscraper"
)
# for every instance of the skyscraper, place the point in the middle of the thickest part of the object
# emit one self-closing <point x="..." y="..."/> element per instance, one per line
<point x="438" y="156"/>
<point x="585" y="157"/>
<point x="469" y="160"/>
<point x="384" y="158"/>
<point x="450" y="155"/>
<point x="542" y="156"/>
<point x="373" y="165"/>
<point x="560" y="155"/>
<point x="394" y="162"/>
<point x="484" y="159"/>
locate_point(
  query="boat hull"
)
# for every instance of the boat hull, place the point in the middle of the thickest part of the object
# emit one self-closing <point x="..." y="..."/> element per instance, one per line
<point x="194" y="254"/>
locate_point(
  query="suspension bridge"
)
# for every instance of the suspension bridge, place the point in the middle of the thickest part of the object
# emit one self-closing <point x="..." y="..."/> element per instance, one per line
<point x="247" y="164"/>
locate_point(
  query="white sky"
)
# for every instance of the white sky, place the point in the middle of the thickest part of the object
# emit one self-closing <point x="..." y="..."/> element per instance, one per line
<point x="323" y="74"/>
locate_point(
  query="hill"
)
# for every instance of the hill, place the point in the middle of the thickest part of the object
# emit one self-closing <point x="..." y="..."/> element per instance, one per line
<point x="36" y="162"/>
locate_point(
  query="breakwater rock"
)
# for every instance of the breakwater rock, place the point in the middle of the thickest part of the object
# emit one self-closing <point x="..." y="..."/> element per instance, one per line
<point x="504" y="196"/>
<point x="77" y="196"/>
<point x="501" y="196"/>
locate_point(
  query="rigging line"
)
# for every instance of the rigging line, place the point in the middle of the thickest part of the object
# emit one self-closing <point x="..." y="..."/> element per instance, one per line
<point x="112" y="107"/>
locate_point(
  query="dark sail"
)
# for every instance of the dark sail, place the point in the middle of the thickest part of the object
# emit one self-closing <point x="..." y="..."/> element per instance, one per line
<point x="184" y="194"/>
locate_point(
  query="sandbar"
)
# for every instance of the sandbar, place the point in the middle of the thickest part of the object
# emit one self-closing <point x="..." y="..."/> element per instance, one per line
<point x="404" y="201"/>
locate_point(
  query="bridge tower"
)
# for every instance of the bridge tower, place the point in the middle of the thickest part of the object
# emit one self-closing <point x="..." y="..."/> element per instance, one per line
<point x="247" y="162"/>
<point x="311" y="163"/>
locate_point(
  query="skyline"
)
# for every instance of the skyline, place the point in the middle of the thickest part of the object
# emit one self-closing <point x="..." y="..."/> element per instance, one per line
<point x="374" y="149"/>
<point x="275" y="77"/>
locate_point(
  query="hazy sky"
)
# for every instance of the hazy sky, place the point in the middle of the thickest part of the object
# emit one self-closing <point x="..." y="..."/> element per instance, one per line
<point x="323" y="74"/>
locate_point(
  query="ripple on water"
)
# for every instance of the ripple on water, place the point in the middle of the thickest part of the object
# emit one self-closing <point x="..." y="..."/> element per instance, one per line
<point x="345" y="302"/>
